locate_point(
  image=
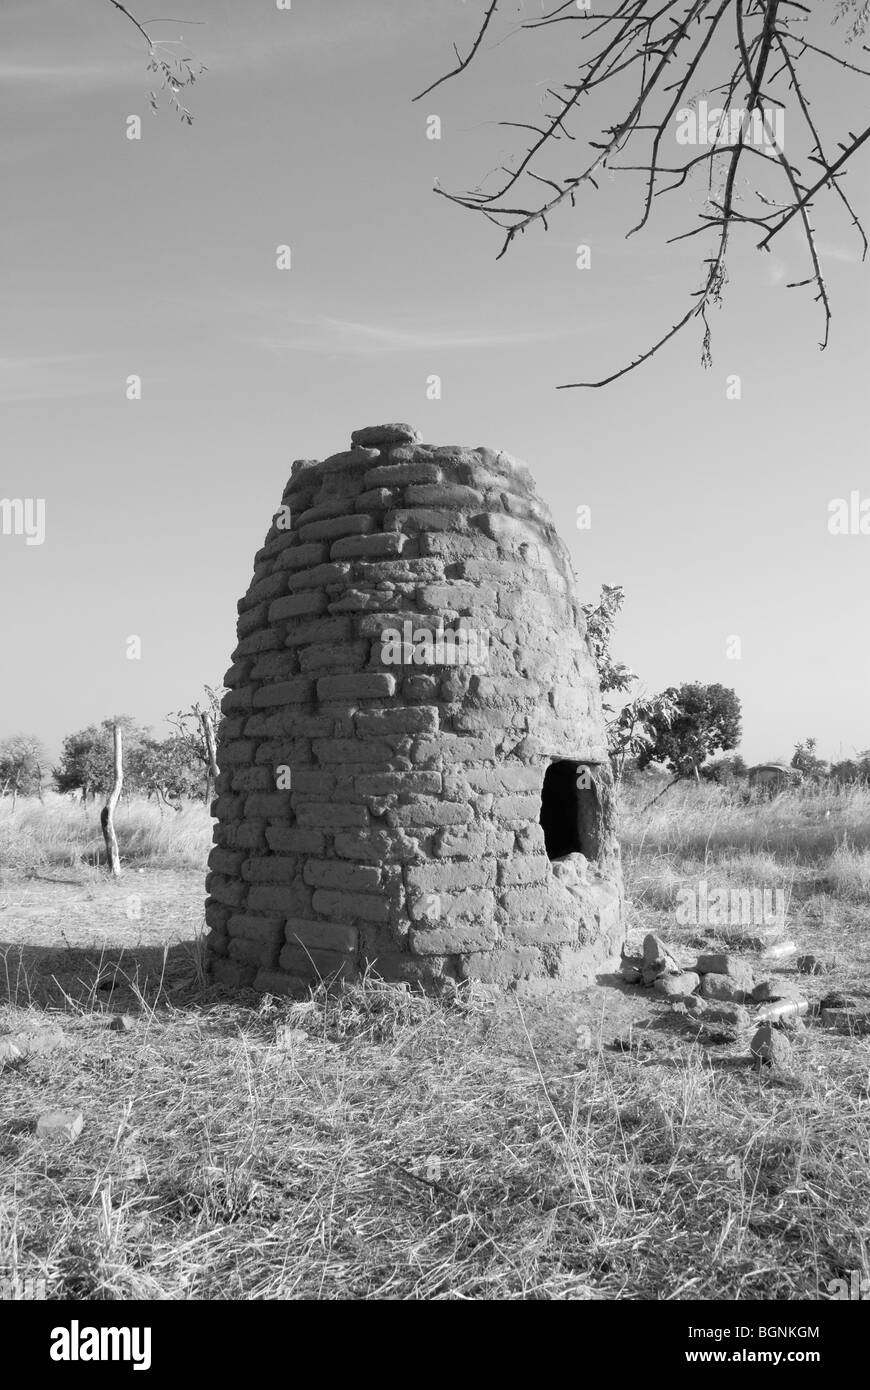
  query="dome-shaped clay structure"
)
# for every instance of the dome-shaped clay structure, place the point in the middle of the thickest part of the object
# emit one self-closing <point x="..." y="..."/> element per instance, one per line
<point x="413" y="769"/>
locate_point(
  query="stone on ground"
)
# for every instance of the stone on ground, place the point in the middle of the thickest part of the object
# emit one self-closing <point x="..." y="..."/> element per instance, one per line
<point x="726" y="987"/>
<point x="773" y="988"/>
<point x="677" y="986"/>
<point x="60" y="1124"/>
<point x="16" y="1047"/>
<point x="771" y="1047"/>
<point x="657" y="960"/>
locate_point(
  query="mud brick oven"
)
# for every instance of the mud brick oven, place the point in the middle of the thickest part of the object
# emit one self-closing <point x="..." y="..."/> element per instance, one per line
<point x="413" y="772"/>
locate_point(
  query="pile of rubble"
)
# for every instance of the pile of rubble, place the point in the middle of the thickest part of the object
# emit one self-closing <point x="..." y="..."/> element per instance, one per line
<point x="720" y="993"/>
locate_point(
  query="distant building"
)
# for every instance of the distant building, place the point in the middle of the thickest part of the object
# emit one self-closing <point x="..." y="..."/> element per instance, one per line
<point x="774" y="777"/>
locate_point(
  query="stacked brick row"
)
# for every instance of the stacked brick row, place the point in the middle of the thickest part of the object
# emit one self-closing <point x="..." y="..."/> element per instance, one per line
<point x="381" y="814"/>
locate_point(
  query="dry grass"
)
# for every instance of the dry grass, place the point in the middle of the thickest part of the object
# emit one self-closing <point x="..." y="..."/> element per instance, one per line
<point x="61" y="832"/>
<point x="407" y="1148"/>
<point x="805" y="824"/>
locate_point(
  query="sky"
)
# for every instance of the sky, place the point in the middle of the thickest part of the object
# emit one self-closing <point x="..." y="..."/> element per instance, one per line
<point x="157" y="258"/>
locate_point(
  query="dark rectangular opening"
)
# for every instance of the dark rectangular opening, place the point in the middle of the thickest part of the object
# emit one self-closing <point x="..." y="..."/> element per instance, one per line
<point x="572" y="812"/>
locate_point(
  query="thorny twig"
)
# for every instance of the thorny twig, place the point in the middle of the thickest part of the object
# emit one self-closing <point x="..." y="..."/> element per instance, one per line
<point x="670" y="42"/>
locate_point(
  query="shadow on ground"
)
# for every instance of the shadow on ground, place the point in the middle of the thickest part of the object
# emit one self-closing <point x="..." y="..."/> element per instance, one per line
<point x="118" y="978"/>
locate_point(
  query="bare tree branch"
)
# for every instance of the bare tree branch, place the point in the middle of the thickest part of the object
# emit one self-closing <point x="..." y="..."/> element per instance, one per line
<point x="463" y="62"/>
<point x="674" y="45"/>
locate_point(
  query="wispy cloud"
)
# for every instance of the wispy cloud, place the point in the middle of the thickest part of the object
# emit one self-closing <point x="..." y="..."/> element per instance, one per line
<point x="830" y="252"/>
<point x="75" y="74"/>
<point x="323" y="334"/>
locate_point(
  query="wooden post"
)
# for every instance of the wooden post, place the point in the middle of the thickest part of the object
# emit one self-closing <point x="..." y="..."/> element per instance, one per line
<point x="108" y="811"/>
<point x="208" y="734"/>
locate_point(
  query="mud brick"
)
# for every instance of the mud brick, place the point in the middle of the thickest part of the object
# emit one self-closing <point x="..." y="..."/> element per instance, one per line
<point x="332" y="527"/>
<point x="324" y="656"/>
<point x="336" y="904"/>
<point x="298" y="557"/>
<point x="428" y="810"/>
<point x="406" y="783"/>
<point x="452" y="495"/>
<point x="453" y="939"/>
<point x="268" y="804"/>
<point x="272" y="868"/>
<point x="272" y="666"/>
<point x="500" y="965"/>
<point x="365" y="686"/>
<point x="459" y="598"/>
<point x="290" y="839"/>
<point x="524" y="869"/>
<point x="400" y="473"/>
<point x="517" y="807"/>
<point x="230" y="891"/>
<point x="252" y="620"/>
<point x="413" y="719"/>
<point x="262" y="591"/>
<point x="226" y="861"/>
<point x="308" y="604"/>
<point x="238" y="673"/>
<point x="267" y="930"/>
<point x="375" y="846"/>
<point x="323" y="815"/>
<point x="365" y="547"/>
<point x="256" y="642"/>
<point x="316" y="963"/>
<point x="280" y="899"/>
<point x="336" y="873"/>
<point x="321" y="576"/>
<point x="452" y="877"/>
<point x="253" y="779"/>
<point x="242" y="948"/>
<point x="293" y="692"/>
<point x="216" y="915"/>
<point x="241" y="699"/>
<point x="325" y="630"/>
<point x="375" y="499"/>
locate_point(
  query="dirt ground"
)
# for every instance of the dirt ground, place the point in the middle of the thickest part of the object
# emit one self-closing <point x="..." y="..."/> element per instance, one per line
<point x="60" y="933"/>
<point x="84" y="939"/>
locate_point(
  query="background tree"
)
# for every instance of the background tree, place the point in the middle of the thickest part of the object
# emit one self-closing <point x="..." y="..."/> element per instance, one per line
<point x="852" y="771"/>
<point x="632" y="727"/>
<point x="87" y="757"/>
<point x="190" y="729"/>
<point x="725" y="772"/>
<point x="637" y="71"/>
<point x="22" y="760"/>
<point x="805" y="760"/>
<point x="165" y="769"/>
<point x="706" y="719"/>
